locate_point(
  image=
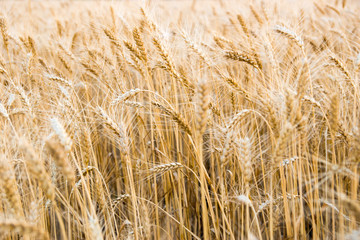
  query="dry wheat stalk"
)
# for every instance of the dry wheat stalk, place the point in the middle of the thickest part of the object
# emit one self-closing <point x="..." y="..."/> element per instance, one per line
<point x="75" y="41"/>
<point x="148" y="21"/>
<point x="90" y="68"/>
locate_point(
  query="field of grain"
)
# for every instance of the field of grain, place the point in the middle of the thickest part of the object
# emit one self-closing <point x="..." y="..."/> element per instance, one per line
<point x="179" y="120"/>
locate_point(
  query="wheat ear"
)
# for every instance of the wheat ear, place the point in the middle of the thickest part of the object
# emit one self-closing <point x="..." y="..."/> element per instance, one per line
<point x="9" y="185"/>
<point x="4" y="33"/>
<point x="63" y="136"/>
<point x="112" y="38"/>
<point x="60" y="80"/>
<point x="333" y="114"/>
<point x="115" y="128"/>
<point x="129" y="94"/>
<point x="3" y="111"/>
<point x="282" y="142"/>
<point x="229" y="134"/>
<point x="203" y="106"/>
<point x="140" y="44"/>
<point x="242" y="58"/>
<point x="176" y="117"/>
<point x="290" y="35"/>
<point x="165" y="167"/>
<point x="37" y="170"/>
<point x="22" y="227"/>
<point x="340" y="66"/>
<point x="60" y="158"/>
<point x="244" y="147"/>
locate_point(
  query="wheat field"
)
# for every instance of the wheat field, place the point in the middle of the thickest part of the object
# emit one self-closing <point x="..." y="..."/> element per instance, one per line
<point x="179" y="119"/>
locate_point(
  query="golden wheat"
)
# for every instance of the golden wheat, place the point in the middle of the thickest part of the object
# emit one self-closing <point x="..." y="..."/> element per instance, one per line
<point x="179" y="120"/>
